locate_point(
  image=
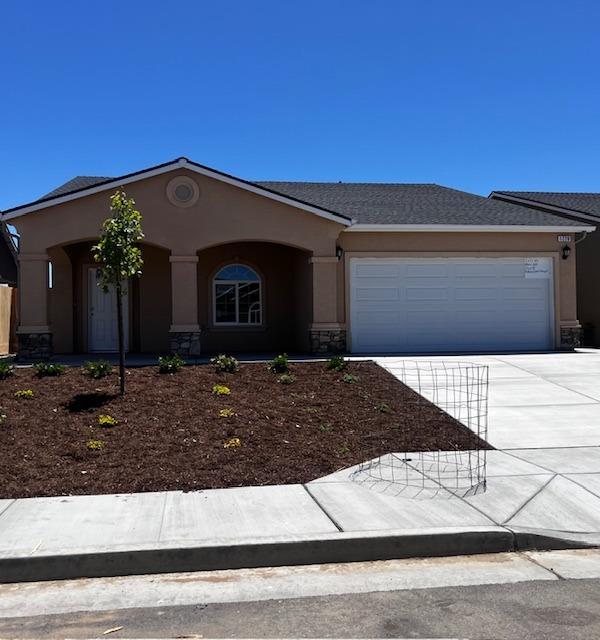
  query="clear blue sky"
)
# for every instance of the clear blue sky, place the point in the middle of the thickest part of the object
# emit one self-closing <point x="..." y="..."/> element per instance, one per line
<point x="476" y="95"/>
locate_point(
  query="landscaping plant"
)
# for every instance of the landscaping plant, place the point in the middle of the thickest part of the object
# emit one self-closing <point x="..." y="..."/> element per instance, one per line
<point x="337" y="363"/>
<point x="225" y="364"/>
<point x="6" y="369"/>
<point x="170" y="364"/>
<point x="95" y="445"/>
<point x="24" y="393"/>
<point x="279" y="364"/>
<point x="349" y="378"/>
<point x="221" y="390"/>
<point x="232" y="443"/>
<point x="107" y="421"/>
<point x="120" y="258"/>
<point x="286" y="378"/>
<point x="226" y="413"/>
<point x="97" y="369"/>
<point x="44" y="369"/>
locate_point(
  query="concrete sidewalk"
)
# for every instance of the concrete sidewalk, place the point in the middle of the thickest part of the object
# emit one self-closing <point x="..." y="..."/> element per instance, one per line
<point x="546" y="498"/>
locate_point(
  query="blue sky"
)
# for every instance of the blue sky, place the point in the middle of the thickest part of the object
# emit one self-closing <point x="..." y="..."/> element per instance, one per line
<point x="471" y="94"/>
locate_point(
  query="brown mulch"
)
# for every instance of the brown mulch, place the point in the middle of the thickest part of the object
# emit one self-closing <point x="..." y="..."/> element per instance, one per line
<point x="170" y="436"/>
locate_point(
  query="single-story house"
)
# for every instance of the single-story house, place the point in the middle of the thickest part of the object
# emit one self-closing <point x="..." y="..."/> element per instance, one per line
<point x="232" y="265"/>
<point x="581" y="208"/>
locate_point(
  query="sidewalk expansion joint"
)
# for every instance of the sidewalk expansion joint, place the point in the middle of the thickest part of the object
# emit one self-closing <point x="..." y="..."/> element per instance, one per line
<point x="531" y="497"/>
<point x="526" y="555"/>
<point x="329" y="517"/>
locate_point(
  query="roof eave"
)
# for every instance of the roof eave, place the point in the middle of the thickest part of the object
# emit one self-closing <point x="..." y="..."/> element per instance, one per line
<point x="537" y="204"/>
<point x="180" y="163"/>
<point x="468" y="228"/>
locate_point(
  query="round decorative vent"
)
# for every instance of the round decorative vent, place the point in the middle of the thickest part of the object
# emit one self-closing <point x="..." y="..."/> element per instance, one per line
<point x="182" y="191"/>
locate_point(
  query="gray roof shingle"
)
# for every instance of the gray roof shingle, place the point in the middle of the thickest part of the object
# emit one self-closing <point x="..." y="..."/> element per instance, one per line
<point x="385" y="203"/>
<point x="392" y="203"/>
<point x="75" y="184"/>
<point x="588" y="203"/>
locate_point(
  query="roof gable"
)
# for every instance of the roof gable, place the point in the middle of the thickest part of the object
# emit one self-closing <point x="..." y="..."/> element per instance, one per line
<point x="86" y="185"/>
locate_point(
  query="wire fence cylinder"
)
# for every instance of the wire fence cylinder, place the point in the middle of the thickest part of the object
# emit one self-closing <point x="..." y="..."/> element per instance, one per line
<point x="460" y="389"/>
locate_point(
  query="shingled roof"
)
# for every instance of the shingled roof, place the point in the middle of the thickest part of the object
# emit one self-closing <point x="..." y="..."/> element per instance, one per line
<point x="364" y="203"/>
<point x="394" y="203"/>
<point x="578" y="202"/>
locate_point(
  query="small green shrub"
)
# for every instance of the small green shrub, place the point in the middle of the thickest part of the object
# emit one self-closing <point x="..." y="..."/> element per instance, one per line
<point x="383" y="407"/>
<point x="95" y="445"/>
<point x="348" y="378"/>
<point x="225" y="364"/>
<point x="170" y="364"/>
<point x="107" y="421"/>
<point x="337" y="363"/>
<point x="279" y="364"/>
<point x="344" y="450"/>
<point x="221" y="390"/>
<point x="226" y="413"/>
<point x="326" y="427"/>
<point x="232" y="443"/>
<point x="97" y="369"/>
<point x="46" y="369"/>
<point x="6" y="369"/>
<point x="24" y="393"/>
<point x="286" y="378"/>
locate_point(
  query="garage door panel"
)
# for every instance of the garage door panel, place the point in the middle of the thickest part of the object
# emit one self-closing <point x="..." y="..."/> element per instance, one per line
<point x="425" y="270"/>
<point x="427" y="293"/>
<point x="455" y="304"/>
<point x="373" y="270"/>
<point x="377" y="293"/>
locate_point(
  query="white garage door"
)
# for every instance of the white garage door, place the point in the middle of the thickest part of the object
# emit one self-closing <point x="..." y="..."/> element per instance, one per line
<point x="451" y="304"/>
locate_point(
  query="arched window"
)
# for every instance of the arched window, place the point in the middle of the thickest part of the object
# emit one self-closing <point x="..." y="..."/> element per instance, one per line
<point x="237" y="296"/>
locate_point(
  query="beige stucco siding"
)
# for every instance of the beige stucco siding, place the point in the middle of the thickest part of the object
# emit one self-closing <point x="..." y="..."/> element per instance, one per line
<point x="223" y="214"/>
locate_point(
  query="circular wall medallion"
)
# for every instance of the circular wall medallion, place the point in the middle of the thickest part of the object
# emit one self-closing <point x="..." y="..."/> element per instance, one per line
<point x="182" y="191"/>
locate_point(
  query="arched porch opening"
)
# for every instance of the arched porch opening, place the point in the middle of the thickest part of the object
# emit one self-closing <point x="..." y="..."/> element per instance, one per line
<point x="265" y="312"/>
<point x="81" y="319"/>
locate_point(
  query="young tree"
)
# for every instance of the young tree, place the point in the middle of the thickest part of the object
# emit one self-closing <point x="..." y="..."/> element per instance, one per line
<point x="119" y="257"/>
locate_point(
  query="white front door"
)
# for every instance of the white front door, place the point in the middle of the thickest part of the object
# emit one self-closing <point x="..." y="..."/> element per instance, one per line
<point x="436" y="305"/>
<point x="102" y="316"/>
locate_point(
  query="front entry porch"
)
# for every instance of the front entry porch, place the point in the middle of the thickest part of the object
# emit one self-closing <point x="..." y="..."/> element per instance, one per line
<point x="243" y="297"/>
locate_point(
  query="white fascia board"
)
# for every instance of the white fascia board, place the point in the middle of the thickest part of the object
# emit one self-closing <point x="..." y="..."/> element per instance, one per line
<point x="466" y="228"/>
<point x="179" y="164"/>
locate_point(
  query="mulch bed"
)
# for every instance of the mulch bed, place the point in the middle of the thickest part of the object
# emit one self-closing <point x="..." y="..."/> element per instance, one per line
<point x="170" y="436"/>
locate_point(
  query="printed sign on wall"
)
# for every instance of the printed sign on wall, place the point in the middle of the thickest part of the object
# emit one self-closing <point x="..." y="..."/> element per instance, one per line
<point x="537" y="268"/>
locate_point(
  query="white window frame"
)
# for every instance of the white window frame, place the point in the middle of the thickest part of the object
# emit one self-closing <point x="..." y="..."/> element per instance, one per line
<point x="236" y="283"/>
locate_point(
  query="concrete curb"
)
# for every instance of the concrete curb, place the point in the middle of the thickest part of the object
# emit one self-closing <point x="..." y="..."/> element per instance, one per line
<point x="550" y="540"/>
<point x="256" y="553"/>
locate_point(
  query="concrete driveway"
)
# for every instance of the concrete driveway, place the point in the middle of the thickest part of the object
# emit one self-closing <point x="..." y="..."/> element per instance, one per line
<point x="538" y="400"/>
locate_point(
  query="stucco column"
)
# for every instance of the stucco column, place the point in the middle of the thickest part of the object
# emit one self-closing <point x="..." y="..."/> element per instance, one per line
<point x="34" y="335"/>
<point x="185" y="330"/>
<point x="326" y="334"/>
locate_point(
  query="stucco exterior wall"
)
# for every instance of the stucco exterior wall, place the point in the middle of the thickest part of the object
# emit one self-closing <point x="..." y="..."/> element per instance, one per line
<point x="223" y="214"/>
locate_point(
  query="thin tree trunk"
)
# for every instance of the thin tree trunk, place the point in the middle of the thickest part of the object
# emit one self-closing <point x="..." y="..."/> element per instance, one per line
<point x="121" y="340"/>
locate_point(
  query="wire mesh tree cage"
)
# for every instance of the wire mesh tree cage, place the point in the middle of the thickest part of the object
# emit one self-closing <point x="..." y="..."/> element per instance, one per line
<point x="459" y="389"/>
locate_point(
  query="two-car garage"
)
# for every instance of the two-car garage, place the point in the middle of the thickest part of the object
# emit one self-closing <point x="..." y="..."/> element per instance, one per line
<point x="420" y="305"/>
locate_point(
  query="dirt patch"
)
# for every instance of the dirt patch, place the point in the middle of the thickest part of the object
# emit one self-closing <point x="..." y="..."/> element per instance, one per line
<point x="170" y="434"/>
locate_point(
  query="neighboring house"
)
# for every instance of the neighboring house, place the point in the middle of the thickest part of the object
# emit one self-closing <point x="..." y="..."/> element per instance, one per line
<point x="232" y="265"/>
<point x="581" y="208"/>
